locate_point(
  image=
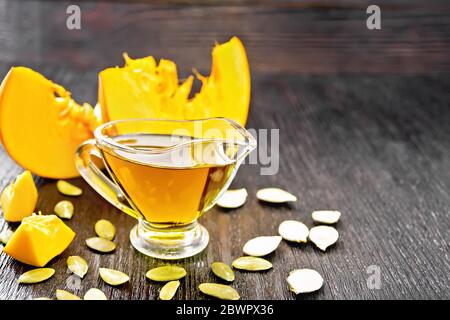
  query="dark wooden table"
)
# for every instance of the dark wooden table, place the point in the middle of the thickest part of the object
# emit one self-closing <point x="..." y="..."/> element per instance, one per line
<point x="364" y="121"/>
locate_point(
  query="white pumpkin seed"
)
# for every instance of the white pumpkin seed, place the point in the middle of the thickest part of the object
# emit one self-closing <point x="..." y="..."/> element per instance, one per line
<point x="252" y="264"/>
<point x="77" y="265"/>
<point x="166" y="273"/>
<point x="168" y="291"/>
<point x="220" y="291"/>
<point x="304" y="281"/>
<point x="6" y="235"/>
<point x="42" y="298"/>
<point x="66" y="295"/>
<point x="68" y="189"/>
<point x="294" y="231"/>
<point x="36" y="275"/>
<point x="323" y="236"/>
<point x="233" y="198"/>
<point x="64" y="209"/>
<point x="100" y="244"/>
<point x="113" y="277"/>
<point x="223" y="271"/>
<point x="326" y="216"/>
<point x="261" y="246"/>
<point x="94" y="294"/>
<point x="275" y="195"/>
<point x="105" y="229"/>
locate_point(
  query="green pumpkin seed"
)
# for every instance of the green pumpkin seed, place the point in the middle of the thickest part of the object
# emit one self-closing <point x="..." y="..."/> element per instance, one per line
<point x="6" y="235"/>
<point x="168" y="291"/>
<point x="36" y="275"/>
<point x="252" y="264"/>
<point x="64" y="209"/>
<point x="220" y="291"/>
<point x="113" y="277"/>
<point x="68" y="189"/>
<point x="94" y="294"/>
<point x="100" y="244"/>
<point x="77" y="265"/>
<point x="223" y="271"/>
<point x="166" y="273"/>
<point x="105" y="229"/>
<point x="66" y="295"/>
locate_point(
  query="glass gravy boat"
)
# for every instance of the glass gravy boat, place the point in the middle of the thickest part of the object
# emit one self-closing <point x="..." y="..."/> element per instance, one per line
<point x="166" y="174"/>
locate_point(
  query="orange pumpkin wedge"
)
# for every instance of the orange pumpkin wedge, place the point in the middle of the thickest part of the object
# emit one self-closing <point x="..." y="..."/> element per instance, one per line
<point x="18" y="199"/>
<point x="226" y="92"/>
<point x="142" y="89"/>
<point x="145" y="89"/>
<point x="40" y="125"/>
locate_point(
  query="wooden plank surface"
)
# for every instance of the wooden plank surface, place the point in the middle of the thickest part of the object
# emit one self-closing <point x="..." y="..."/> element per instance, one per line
<point x="314" y="36"/>
<point x="376" y="147"/>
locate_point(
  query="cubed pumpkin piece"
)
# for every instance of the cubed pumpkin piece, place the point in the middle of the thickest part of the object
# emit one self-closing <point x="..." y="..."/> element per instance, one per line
<point x="18" y="200"/>
<point x="39" y="239"/>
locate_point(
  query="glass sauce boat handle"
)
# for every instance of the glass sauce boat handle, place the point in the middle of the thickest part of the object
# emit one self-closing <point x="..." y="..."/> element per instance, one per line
<point x="98" y="180"/>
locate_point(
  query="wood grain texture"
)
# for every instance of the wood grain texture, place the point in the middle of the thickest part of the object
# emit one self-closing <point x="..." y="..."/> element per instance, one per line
<point x="376" y="147"/>
<point x="295" y="36"/>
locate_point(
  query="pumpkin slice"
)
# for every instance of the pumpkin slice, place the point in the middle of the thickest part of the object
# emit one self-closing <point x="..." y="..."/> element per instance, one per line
<point x="39" y="239"/>
<point x="40" y="125"/>
<point x="145" y="89"/>
<point x="18" y="200"/>
<point x="226" y="92"/>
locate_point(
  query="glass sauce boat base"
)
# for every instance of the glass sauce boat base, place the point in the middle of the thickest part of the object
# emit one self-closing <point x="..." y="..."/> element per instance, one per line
<point x="175" y="243"/>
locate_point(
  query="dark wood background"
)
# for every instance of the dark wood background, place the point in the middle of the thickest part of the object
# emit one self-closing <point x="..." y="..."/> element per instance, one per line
<point x="364" y="123"/>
